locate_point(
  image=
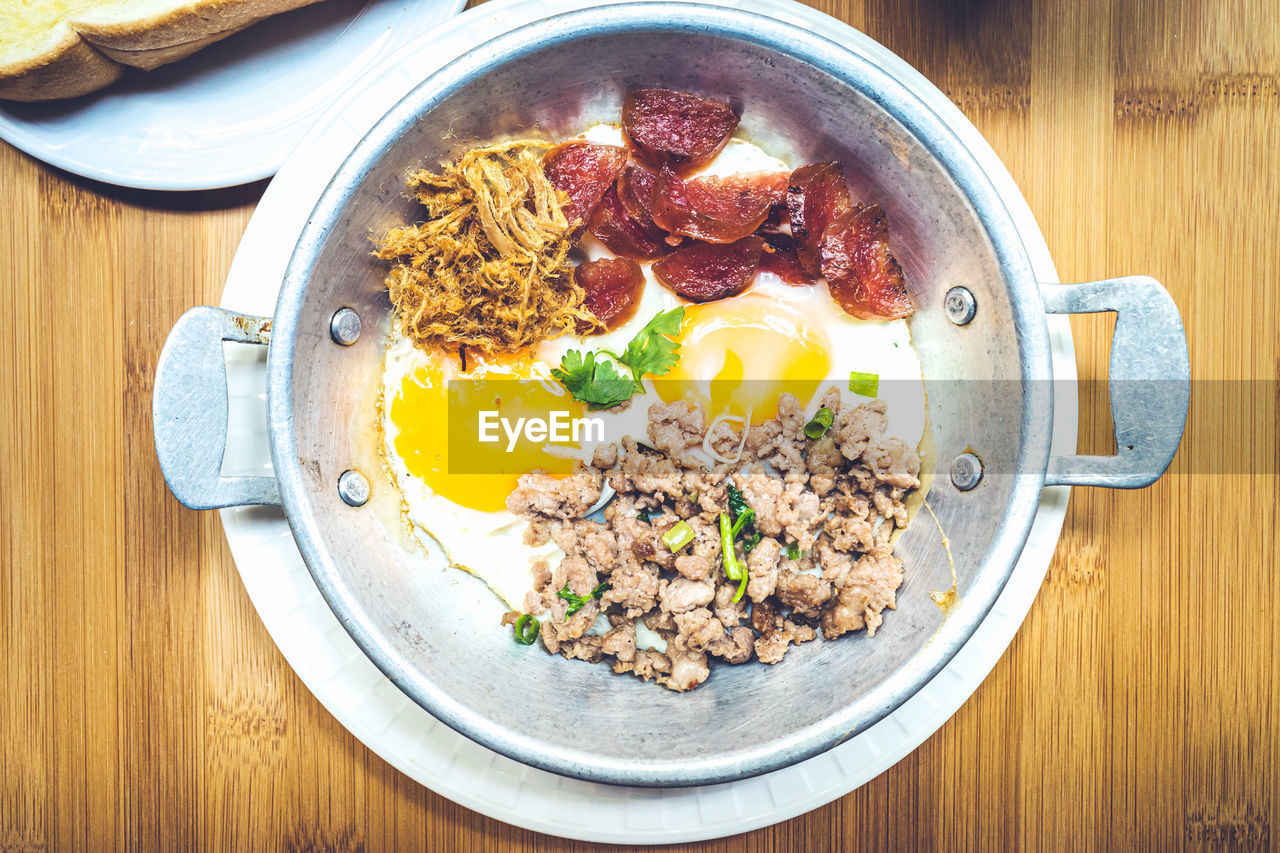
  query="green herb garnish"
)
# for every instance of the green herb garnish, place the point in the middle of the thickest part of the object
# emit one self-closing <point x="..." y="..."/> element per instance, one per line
<point x="822" y="420"/>
<point x="645" y="515"/>
<point x="737" y="523"/>
<point x="864" y="384"/>
<point x="744" y="518"/>
<point x="680" y="535"/>
<point x="651" y="351"/>
<point x="596" y="383"/>
<point x="738" y="501"/>
<point x="734" y="569"/>
<point x="576" y="601"/>
<point x="527" y="629"/>
<point x="589" y="377"/>
<point x="793" y="551"/>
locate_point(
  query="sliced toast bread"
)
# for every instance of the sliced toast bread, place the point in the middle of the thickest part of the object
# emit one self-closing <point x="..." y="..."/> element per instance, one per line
<point x="63" y="48"/>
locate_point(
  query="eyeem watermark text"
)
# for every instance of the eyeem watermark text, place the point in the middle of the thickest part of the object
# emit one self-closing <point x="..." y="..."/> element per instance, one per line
<point x="557" y="427"/>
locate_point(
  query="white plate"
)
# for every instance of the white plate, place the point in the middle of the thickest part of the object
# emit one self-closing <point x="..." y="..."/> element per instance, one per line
<point x="388" y="722"/>
<point x="229" y="114"/>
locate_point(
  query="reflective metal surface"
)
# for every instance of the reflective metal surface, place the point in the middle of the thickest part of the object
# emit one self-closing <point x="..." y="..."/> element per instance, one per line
<point x="344" y="327"/>
<point x="1149" y="380"/>
<point x="960" y="305"/>
<point x="189" y="410"/>
<point x="354" y="488"/>
<point x="434" y="631"/>
<point x="966" y="472"/>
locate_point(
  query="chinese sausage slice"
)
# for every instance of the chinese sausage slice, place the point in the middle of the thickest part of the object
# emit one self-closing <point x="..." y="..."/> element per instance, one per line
<point x="816" y="195"/>
<point x="585" y="171"/>
<point x="717" y="210"/>
<point x="612" y="287"/>
<point x="624" y="236"/>
<point x="863" y="275"/>
<point x="676" y="129"/>
<point x="781" y="259"/>
<point x="705" y="272"/>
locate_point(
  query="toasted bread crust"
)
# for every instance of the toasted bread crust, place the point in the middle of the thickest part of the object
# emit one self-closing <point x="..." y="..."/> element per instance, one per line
<point x="149" y="58"/>
<point x="93" y="54"/>
<point x="70" y="68"/>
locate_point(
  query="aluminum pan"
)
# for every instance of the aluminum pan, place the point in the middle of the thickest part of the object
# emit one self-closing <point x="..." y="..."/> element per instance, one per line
<point x="766" y="56"/>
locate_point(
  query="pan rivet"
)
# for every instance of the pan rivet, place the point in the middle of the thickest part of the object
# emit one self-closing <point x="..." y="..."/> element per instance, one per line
<point x="344" y="328"/>
<point x="960" y="305"/>
<point x="353" y="488"/>
<point x="966" y="471"/>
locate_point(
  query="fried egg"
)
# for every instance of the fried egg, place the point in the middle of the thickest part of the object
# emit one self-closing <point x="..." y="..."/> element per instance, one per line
<point x="737" y="356"/>
<point x="454" y="488"/>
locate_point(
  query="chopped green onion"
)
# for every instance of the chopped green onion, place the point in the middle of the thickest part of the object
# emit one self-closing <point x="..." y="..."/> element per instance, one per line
<point x="864" y="384"/>
<point x="645" y="515"/>
<point x="793" y="551"/>
<point x="577" y="601"/>
<point x="680" y="535"/>
<point x="821" y="422"/>
<point x="527" y="629"/>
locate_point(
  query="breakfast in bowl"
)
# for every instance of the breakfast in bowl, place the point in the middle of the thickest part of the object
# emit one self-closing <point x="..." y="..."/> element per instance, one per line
<point x="712" y="326"/>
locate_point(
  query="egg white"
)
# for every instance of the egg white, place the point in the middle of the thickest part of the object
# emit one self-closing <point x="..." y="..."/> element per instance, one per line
<point x="489" y="545"/>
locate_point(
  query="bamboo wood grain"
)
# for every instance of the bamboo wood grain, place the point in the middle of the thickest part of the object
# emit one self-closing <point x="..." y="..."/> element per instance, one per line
<point x="143" y="705"/>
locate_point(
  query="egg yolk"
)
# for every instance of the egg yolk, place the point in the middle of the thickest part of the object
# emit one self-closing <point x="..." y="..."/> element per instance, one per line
<point x="437" y="414"/>
<point x="751" y="349"/>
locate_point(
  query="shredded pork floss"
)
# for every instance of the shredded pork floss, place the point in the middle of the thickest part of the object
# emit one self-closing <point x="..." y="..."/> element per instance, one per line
<point x="488" y="268"/>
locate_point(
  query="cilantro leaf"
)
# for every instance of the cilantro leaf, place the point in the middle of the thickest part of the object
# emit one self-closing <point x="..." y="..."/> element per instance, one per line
<point x="593" y="378"/>
<point x="651" y="351"/>
<point x="596" y="383"/>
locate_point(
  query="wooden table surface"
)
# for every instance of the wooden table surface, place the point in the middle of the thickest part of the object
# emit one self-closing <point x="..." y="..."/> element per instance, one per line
<point x="143" y="705"/>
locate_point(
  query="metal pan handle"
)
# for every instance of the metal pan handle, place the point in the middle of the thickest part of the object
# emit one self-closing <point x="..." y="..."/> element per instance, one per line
<point x="1149" y="380"/>
<point x="189" y="410"/>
